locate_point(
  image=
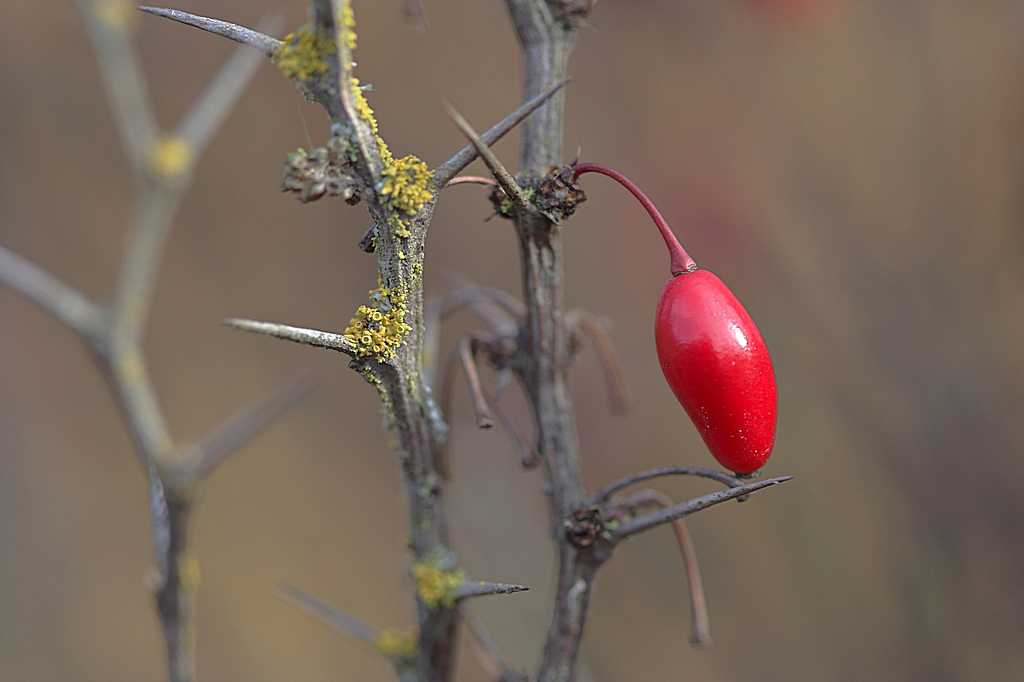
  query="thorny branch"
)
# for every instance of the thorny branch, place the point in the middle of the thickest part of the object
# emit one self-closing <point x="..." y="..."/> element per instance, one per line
<point x="547" y="32"/>
<point x="113" y="331"/>
<point x="391" y="363"/>
<point x="534" y="339"/>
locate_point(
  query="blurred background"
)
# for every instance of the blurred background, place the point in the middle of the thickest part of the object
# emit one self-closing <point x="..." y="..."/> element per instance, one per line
<point x="853" y="170"/>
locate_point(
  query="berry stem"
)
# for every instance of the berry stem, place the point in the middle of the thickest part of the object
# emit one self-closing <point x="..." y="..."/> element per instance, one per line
<point x="681" y="261"/>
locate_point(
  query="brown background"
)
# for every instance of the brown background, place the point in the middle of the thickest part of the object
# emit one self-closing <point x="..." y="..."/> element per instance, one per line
<point x="853" y="171"/>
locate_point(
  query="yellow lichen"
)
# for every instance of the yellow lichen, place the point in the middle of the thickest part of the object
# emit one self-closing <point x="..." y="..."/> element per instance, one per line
<point x="385" y="153"/>
<point x="397" y="643"/>
<point x="435" y="586"/>
<point x="405" y="182"/>
<point x="379" y="328"/>
<point x="401" y="227"/>
<point x="348" y="25"/>
<point x="362" y="106"/>
<point x="171" y="156"/>
<point x="302" y="54"/>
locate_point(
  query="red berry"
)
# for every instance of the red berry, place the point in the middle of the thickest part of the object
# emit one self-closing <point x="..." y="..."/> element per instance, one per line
<point x="717" y="364"/>
<point x="711" y="353"/>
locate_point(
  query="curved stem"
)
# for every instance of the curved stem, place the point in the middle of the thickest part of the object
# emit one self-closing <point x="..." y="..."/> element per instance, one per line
<point x="475" y="179"/>
<point x="681" y="261"/>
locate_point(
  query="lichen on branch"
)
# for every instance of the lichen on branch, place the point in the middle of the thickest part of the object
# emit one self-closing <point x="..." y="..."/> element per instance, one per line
<point x="303" y="54"/>
<point x="404" y="182"/>
<point x="435" y="585"/>
<point x="379" y="328"/>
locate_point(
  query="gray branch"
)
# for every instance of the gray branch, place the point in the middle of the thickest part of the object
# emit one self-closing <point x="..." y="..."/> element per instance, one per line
<point x="209" y="111"/>
<point x="336" y="618"/>
<point x="253" y="419"/>
<point x="125" y="84"/>
<point x="64" y="302"/>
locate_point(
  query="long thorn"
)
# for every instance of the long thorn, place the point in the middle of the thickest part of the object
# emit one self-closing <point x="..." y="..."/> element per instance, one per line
<point x="618" y="392"/>
<point x="310" y="337"/>
<point x="482" y="589"/>
<point x="678" y="511"/>
<point x="450" y="168"/>
<point x="504" y="178"/>
<point x="246" y="36"/>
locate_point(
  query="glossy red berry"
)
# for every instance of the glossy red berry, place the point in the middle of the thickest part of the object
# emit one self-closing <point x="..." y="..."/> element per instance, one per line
<point x="712" y="354"/>
<point x="717" y="364"/>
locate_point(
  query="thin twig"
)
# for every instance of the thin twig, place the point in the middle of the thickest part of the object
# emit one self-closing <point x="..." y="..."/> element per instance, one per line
<point x="467" y="354"/>
<point x="464" y="290"/>
<point x="264" y="43"/>
<point x="720" y="476"/>
<point x="490" y="305"/>
<point x="527" y="454"/>
<point x="498" y="309"/>
<point x="470" y="179"/>
<point x="447" y="170"/>
<point x="504" y="178"/>
<point x="700" y="624"/>
<point x="542" y="358"/>
<point x="338" y="619"/>
<point x="309" y="337"/>
<point x="618" y="392"/>
<point x="252" y="420"/>
<point x="465" y="343"/>
<point x="64" y="302"/>
<point x="677" y="511"/>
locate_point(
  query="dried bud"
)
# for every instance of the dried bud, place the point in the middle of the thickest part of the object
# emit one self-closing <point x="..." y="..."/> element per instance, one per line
<point x="558" y="194"/>
<point x="584" y="526"/>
